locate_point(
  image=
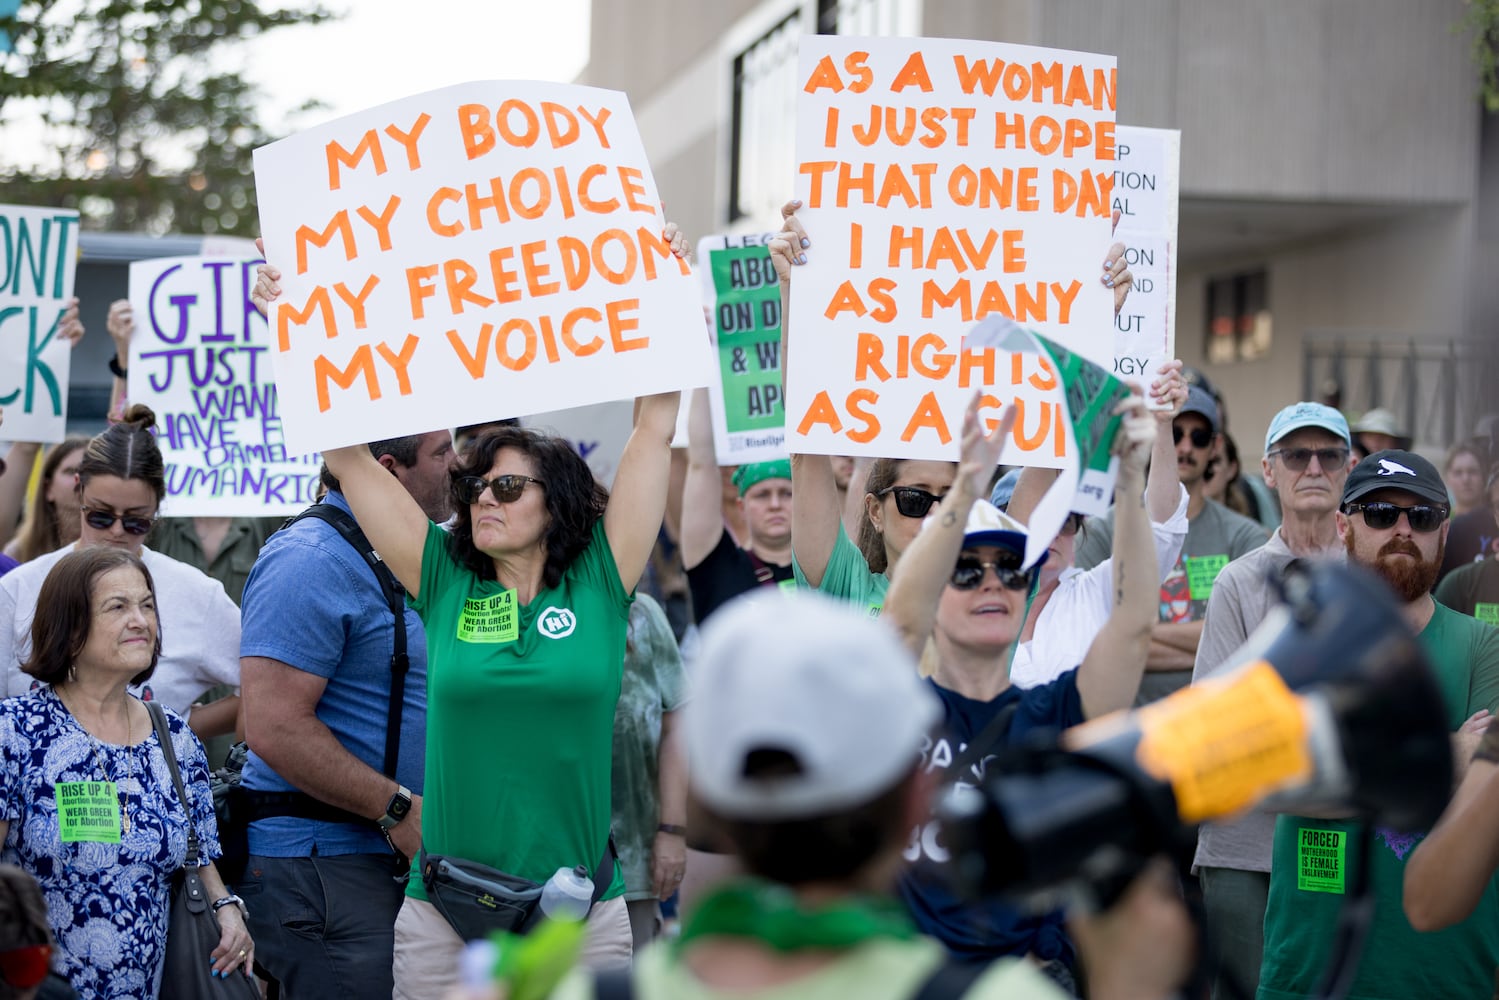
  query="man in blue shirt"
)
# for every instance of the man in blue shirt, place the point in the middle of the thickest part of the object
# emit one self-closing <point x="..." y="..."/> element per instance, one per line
<point x="316" y="669"/>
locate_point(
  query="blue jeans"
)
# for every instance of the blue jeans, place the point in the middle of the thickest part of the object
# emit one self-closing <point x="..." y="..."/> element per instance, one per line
<point x="325" y="926"/>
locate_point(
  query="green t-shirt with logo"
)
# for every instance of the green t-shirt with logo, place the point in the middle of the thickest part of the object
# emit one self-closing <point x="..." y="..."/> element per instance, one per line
<point x="848" y="577"/>
<point x="1312" y="860"/>
<point x="520" y="714"/>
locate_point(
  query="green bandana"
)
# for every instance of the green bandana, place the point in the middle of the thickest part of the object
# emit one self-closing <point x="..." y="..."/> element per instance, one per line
<point x="772" y="915"/>
<point x="747" y="476"/>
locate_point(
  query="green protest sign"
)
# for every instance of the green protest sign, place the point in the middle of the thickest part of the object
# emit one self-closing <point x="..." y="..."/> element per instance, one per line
<point x="745" y="300"/>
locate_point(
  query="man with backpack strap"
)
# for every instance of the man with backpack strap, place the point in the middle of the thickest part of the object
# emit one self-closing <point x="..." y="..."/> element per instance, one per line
<point x="334" y="688"/>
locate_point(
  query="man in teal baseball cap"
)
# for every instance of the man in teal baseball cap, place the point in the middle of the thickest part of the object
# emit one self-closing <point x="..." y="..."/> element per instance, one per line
<point x="1307" y="459"/>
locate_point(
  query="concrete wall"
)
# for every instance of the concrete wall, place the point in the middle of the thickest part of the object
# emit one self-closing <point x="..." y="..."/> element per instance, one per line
<point x="1402" y="278"/>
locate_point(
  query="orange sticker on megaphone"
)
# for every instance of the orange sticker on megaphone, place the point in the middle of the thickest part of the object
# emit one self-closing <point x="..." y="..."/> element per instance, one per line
<point x="1226" y="743"/>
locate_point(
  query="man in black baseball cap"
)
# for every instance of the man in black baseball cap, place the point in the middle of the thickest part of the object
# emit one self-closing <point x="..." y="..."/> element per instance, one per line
<point x="1393" y="521"/>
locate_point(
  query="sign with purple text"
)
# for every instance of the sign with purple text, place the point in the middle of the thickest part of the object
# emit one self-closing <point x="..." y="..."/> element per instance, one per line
<point x="200" y="358"/>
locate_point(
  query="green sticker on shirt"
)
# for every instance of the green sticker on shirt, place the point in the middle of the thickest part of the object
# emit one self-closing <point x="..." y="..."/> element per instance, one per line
<point x="787" y="585"/>
<point x="1320" y="860"/>
<point x="1202" y="572"/>
<point x="1487" y="613"/>
<point x="88" y="811"/>
<point x="489" y="619"/>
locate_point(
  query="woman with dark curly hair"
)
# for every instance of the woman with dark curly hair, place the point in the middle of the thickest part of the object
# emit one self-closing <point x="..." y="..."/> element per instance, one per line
<point x="526" y="605"/>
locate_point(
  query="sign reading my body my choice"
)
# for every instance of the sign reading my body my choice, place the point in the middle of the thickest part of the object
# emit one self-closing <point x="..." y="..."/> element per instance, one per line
<point x="38" y="255"/>
<point x="200" y="359"/>
<point x="943" y="182"/>
<point x="489" y="249"/>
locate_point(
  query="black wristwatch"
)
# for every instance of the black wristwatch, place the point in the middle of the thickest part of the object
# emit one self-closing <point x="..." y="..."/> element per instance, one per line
<point x="396" y="809"/>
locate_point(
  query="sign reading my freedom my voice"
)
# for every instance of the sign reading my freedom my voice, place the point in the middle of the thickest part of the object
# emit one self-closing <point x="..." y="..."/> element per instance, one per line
<point x="482" y="250"/>
<point x="200" y="359"/>
<point x="943" y="182"/>
<point x="38" y="255"/>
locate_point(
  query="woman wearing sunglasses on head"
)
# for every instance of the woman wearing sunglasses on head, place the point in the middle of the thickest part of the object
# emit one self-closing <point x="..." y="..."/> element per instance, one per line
<point x="526" y="605"/>
<point x="898" y="493"/>
<point x="121" y="483"/>
<point x="961" y="587"/>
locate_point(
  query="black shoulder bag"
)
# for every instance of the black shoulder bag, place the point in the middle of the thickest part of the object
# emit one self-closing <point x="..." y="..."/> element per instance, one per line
<point x="193" y="930"/>
<point x="236" y="806"/>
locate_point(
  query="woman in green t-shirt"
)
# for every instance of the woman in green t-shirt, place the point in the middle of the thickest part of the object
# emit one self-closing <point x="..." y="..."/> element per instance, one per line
<point x="526" y="604"/>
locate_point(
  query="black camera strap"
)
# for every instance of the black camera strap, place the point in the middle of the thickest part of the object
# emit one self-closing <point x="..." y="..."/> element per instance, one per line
<point x="395" y="598"/>
<point x="263" y="804"/>
<point x="993" y="737"/>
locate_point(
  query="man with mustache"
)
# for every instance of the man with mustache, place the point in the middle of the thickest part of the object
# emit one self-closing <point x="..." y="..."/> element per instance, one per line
<point x="1393" y="520"/>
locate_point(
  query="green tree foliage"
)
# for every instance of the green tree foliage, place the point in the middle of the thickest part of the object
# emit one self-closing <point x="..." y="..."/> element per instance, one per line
<point x="1481" y="18"/>
<point x="151" y="131"/>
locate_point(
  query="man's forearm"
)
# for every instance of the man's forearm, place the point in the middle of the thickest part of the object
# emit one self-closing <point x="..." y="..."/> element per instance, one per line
<point x="304" y="751"/>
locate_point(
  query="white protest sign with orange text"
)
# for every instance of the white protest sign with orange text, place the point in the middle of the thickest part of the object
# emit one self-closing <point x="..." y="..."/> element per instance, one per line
<point x="485" y="249"/>
<point x="942" y="182"/>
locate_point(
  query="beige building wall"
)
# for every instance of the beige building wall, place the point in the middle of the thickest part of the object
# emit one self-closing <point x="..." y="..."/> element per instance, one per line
<point x="1335" y="144"/>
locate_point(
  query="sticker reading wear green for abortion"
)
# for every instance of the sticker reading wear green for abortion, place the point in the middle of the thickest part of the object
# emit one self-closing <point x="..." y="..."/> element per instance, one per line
<point x="1202" y="573"/>
<point x="1487" y="613"/>
<point x="489" y="619"/>
<point x="1320" y="857"/>
<point x="88" y="811"/>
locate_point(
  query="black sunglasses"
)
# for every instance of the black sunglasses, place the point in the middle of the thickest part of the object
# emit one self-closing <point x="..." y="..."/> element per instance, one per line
<point x="1297" y="459"/>
<point x="969" y="573"/>
<point x="103" y="520"/>
<point x="910" y="501"/>
<point x="1201" y="436"/>
<point x="506" y="489"/>
<point x="1381" y="514"/>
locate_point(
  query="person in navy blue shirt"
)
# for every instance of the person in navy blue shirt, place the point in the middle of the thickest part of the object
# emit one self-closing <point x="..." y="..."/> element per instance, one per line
<point x="959" y="600"/>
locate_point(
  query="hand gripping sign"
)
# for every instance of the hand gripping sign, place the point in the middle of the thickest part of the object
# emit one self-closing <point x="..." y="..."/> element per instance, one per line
<point x="489" y="249"/>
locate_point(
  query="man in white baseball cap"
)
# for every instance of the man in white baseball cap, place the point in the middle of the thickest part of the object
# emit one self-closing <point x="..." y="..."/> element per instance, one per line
<point x="802" y="736"/>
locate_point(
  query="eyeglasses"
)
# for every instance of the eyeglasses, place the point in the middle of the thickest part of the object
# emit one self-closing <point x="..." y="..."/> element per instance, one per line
<point x="506" y="489"/>
<point x="1201" y="436"/>
<point x="910" y="501"/>
<point x="1297" y="459"/>
<point x="103" y="520"/>
<point x="25" y="967"/>
<point x="969" y="573"/>
<point x="1072" y="525"/>
<point x="1380" y="514"/>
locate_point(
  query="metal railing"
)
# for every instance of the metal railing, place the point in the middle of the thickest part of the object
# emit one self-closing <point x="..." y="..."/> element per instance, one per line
<point x="1437" y="388"/>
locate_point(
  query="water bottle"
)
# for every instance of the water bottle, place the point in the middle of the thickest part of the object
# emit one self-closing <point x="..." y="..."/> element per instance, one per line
<point x="567" y="894"/>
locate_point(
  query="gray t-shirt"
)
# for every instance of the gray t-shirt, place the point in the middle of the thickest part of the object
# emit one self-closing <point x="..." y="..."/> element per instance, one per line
<point x="1215" y="537"/>
<point x="1242" y="596"/>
